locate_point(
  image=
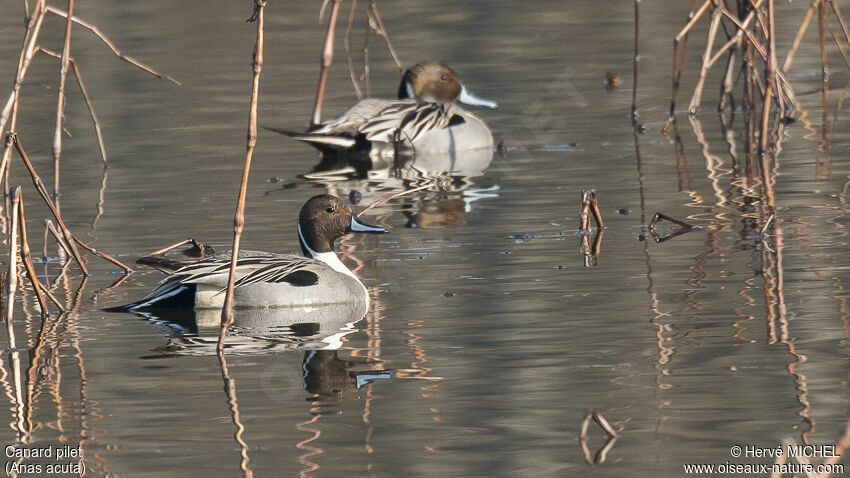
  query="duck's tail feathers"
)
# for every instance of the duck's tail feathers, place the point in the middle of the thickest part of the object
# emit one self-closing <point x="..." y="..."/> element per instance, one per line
<point x="319" y="140"/>
<point x="180" y="297"/>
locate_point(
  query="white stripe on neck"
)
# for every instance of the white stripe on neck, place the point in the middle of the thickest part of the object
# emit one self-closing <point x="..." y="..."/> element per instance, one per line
<point x="329" y="258"/>
<point x="409" y="89"/>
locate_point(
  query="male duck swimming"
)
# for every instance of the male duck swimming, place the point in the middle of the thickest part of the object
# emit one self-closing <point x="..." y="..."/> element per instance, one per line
<point x="425" y="119"/>
<point x="272" y="280"/>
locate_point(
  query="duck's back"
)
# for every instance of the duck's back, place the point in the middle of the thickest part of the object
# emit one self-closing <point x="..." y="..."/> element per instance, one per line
<point x="262" y="280"/>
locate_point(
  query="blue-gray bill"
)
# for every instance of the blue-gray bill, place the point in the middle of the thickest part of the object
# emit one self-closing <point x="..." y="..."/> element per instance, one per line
<point x="359" y="226"/>
<point x="468" y="98"/>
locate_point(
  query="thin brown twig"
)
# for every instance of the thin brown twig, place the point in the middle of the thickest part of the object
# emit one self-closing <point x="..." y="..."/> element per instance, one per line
<point x="9" y="115"/>
<point x="351" y="73"/>
<point x="12" y="274"/>
<point x="373" y="6"/>
<point x="60" y="103"/>
<point x="49" y="226"/>
<point x="393" y="196"/>
<point x="26" y="258"/>
<point x="39" y="186"/>
<point x="15" y="193"/>
<point x="129" y="59"/>
<point x="658" y="216"/>
<point x="103" y="256"/>
<point x="89" y="104"/>
<point x="181" y="243"/>
<point x="325" y="63"/>
<point x="239" y="216"/>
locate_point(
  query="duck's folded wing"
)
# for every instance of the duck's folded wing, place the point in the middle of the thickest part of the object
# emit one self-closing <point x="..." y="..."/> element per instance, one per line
<point x="407" y="121"/>
<point x="214" y="273"/>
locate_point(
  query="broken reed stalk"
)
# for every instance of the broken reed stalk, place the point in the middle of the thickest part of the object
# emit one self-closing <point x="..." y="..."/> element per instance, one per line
<point x="393" y="196"/>
<point x="70" y="239"/>
<point x="9" y="115"/>
<point x="103" y="256"/>
<point x="60" y="103"/>
<point x="12" y="273"/>
<point x="325" y="63"/>
<point x="89" y="104"/>
<point x="190" y="240"/>
<point x="239" y="217"/>
<point x="659" y="216"/>
<point x="589" y="204"/>
<point x="39" y="186"/>
<point x="373" y="10"/>
<point x="351" y="73"/>
<point x="49" y="226"/>
<point x="26" y="258"/>
<point x="635" y="62"/>
<point x="111" y="45"/>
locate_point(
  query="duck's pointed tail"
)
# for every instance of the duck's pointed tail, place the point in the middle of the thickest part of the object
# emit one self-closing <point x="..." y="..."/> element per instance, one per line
<point x="321" y="141"/>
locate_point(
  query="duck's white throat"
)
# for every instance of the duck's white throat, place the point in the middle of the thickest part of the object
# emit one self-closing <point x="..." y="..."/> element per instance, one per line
<point x="329" y="258"/>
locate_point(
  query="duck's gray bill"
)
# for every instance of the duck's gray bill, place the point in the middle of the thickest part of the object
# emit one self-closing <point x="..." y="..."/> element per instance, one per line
<point x="359" y="226"/>
<point x="468" y="98"/>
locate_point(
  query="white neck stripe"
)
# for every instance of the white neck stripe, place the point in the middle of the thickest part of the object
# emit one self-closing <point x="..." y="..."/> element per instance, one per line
<point x="329" y="258"/>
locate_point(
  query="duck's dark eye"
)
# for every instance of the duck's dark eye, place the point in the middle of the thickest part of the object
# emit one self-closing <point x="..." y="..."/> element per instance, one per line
<point x="329" y="209"/>
<point x="444" y="77"/>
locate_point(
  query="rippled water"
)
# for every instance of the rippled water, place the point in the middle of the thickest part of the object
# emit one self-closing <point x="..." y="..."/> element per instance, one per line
<point x="488" y="340"/>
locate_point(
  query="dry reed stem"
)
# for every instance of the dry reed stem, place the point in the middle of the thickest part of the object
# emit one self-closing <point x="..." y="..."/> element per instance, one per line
<point x="602" y="453"/>
<point x="839" y="45"/>
<point x="239" y="217"/>
<point x="325" y="63"/>
<point x="799" y="38"/>
<point x="679" y="59"/>
<point x="659" y="216"/>
<point x="351" y="73"/>
<point x="584" y="216"/>
<point x="12" y="273"/>
<point x="590" y="204"/>
<point x="840" y="18"/>
<point x="393" y="196"/>
<point x="26" y="257"/>
<point x="635" y="62"/>
<point x="367" y="81"/>
<point x="60" y="103"/>
<point x="89" y="104"/>
<point x="111" y="45"/>
<point x="709" y="44"/>
<point x="39" y="186"/>
<point x="9" y="115"/>
<point x="181" y="243"/>
<point x="373" y="8"/>
<point x="103" y="256"/>
<point x="49" y="226"/>
<point x="15" y="193"/>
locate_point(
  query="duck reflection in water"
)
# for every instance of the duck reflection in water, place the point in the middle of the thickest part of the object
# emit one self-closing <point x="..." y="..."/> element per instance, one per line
<point x="330" y="377"/>
<point x="447" y="188"/>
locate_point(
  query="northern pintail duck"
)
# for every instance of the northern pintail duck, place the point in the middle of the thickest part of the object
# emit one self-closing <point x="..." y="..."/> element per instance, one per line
<point x="425" y="119"/>
<point x="273" y="280"/>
